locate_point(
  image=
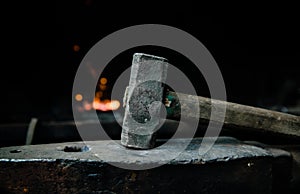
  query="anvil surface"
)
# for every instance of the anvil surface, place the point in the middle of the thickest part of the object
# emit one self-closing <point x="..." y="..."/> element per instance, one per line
<point x="74" y="167"/>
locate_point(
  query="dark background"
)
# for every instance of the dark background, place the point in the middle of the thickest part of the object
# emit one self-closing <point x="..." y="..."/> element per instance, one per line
<point x="256" y="50"/>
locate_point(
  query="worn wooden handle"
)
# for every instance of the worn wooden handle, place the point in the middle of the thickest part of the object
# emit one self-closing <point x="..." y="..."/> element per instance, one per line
<point x="237" y="115"/>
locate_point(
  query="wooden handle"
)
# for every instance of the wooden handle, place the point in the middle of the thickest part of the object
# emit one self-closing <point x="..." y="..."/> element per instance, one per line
<point x="237" y="115"/>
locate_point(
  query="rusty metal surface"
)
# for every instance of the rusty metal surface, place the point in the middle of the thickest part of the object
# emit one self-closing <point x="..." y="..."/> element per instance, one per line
<point x="74" y="176"/>
<point x="73" y="167"/>
<point x="142" y="112"/>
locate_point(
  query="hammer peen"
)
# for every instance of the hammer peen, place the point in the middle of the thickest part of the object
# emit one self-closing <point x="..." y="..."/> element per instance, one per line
<point x="142" y="110"/>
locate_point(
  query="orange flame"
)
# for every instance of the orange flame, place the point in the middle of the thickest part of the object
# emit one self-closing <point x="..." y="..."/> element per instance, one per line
<point x="97" y="104"/>
<point x="105" y="105"/>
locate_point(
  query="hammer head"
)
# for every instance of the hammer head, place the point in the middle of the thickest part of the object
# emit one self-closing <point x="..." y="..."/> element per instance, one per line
<point x="142" y="100"/>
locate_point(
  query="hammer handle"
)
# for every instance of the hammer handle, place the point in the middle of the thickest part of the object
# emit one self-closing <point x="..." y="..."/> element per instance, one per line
<point x="237" y="115"/>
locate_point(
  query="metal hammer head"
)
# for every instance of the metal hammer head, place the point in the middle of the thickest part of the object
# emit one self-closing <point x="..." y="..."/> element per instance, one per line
<point x="143" y="99"/>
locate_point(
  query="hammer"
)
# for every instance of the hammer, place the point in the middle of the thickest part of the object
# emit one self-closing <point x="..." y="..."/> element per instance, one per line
<point x="142" y="110"/>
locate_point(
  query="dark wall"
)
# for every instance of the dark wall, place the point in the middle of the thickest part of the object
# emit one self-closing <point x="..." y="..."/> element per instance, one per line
<point x="257" y="52"/>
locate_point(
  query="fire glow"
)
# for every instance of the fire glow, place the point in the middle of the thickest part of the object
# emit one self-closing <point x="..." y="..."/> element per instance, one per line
<point x="105" y="105"/>
<point x="97" y="104"/>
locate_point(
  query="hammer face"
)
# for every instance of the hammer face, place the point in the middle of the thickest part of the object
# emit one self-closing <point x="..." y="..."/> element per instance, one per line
<point x="143" y="102"/>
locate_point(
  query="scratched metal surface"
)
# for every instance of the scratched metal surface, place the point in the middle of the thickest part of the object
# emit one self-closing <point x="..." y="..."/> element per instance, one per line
<point x="224" y="149"/>
<point x="230" y="166"/>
